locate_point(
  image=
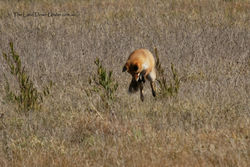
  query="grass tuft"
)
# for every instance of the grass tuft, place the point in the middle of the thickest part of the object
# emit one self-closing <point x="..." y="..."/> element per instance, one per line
<point x="167" y="89"/>
<point x="200" y="116"/>
<point x="105" y="80"/>
<point x="28" y="98"/>
<point x="103" y="83"/>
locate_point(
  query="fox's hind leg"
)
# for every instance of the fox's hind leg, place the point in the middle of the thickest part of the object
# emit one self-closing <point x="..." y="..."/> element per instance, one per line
<point x="151" y="77"/>
<point x="141" y="91"/>
<point x="152" y="84"/>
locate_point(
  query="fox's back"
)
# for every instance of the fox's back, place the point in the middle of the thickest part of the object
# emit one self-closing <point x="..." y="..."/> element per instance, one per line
<point x="143" y="57"/>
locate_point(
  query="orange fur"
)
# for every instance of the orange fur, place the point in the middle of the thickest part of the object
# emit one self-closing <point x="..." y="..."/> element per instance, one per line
<point x="138" y="58"/>
<point x="140" y="63"/>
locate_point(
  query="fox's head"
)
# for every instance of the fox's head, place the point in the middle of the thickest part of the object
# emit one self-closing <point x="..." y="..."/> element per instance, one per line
<point x="134" y="69"/>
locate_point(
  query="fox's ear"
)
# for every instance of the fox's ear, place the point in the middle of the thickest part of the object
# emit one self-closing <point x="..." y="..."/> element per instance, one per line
<point x="124" y="68"/>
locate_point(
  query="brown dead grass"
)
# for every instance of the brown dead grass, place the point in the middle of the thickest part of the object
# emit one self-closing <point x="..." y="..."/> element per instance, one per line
<point x="207" y="124"/>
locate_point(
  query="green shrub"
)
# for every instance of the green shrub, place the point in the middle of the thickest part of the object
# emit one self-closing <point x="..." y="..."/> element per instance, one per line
<point x="105" y="80"/>
<point x="27" y="97"/>
<point x="167" y="89"/>
<point x="103" y="83"/>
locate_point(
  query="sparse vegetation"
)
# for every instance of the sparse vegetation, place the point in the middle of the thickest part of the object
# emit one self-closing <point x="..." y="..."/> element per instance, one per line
<point x="166" y="89"/>
<point x="105" y="80"/>
<point x="102" y="83"/>
<point x="27" y="97"/>
<point x="204" y="121"/>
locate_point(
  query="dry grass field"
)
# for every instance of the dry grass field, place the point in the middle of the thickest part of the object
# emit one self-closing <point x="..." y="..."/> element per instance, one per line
<point x="206" y="122"/>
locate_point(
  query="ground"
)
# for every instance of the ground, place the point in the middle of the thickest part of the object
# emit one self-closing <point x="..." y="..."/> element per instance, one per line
<point x="207" y="123"/>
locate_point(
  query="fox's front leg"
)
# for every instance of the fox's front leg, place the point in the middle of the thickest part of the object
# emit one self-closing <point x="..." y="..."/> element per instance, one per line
<point x="141" y="91"/>
<point x="141" y="78"/>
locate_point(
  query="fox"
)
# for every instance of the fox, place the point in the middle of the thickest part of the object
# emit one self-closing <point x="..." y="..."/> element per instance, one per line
<point x="141" y="64"/>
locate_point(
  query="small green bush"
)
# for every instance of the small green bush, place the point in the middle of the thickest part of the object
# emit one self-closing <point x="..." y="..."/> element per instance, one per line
<point x="103" y="83"/>
<point x="105" y="80"/>
<point x="27" y="97"/>
<point x="167" y="89"/>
